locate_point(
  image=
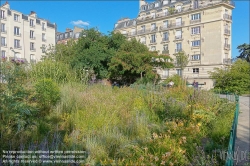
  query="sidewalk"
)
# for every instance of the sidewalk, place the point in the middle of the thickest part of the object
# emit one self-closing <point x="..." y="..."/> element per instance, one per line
<point x="243" y="133"/>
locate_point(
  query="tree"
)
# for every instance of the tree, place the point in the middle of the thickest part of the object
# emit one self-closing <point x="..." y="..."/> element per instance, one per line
<point x="134" y="61"/>
<point x="181" y="60"/>
<point x="233" y="79"/>
<point x="244" y="50"/>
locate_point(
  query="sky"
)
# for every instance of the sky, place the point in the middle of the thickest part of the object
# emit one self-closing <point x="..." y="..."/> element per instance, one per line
<point x="104" y="14"/>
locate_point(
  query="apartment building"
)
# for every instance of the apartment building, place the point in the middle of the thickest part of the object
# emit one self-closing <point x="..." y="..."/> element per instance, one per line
<point x="200" y="28"/>
<point x="24" y="37"/>
<point x="69" y="34"/>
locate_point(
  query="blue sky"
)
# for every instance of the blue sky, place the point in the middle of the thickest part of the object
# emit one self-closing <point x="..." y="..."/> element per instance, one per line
<point x="104" y="14"/>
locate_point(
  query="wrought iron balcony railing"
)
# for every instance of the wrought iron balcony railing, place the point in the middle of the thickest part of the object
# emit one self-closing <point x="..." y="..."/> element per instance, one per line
<point x="227" y="31"/>
<point x="165" y="39"/>
<point x="227" y="46"/>
<point x="165" y="52"/>
<point x="227" y="17"/>
<point x="195" y="21"/>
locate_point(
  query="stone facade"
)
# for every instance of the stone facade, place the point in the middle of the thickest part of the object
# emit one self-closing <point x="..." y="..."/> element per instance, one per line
<point x="202" y="29"/>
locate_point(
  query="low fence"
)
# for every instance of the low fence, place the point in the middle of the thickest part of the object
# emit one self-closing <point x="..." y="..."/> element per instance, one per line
<point x="233" y="131"/>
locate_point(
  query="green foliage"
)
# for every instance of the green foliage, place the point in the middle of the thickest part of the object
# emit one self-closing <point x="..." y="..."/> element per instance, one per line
<point x="178" y="81"/>
<point x="56" y="70"/>
<point x="47" y="93"/>
<point x="181" y="60"/>
<point x="244" y="50"/>
<point x="235" y="78"/>
<point x="133" y="61"/>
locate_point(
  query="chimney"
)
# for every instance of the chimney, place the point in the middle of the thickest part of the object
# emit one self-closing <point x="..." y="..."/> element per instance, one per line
<point x="68" y="29"/>
<point x="32" y="12"/>
<point x="6" y="5"/>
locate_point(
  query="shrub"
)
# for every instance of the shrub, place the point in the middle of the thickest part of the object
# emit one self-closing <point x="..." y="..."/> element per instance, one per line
<point x="47" y="93"/>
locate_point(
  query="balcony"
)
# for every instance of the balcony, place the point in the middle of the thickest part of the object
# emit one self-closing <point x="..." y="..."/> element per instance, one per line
<point x="165" y="52"/>
<point x="165" y="39"/>
<point x="155" y="29"/>
<point x="227" y="32"/>
<point x="227" y="61"/>
<point x="177" y="24"/>
<point x="3" y="18"/>
<point x="143" y="31"/>
<point x="178" y="37"/>
<point x="195" y="21"/>
<point x="227" y="17"/>
<point x="18" y="47"/>
<point x="164" y="27"/>
<point x="17" y="34"/>
<point x="32" y="49"/>
<point x="3" y="31"/>
<point x="32" y="26"/>
<point x="152" y="41"/>
<point x="227" y="46"/>
<point x="178" y="50"/>
<point x="186" y="9"/>
<point x="4" y="45"/>
<point x="33" y="38"/>
<point x="131" y="33"/>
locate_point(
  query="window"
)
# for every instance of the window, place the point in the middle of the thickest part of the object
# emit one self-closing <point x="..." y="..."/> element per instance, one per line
<point x="165" y="24"/>
<point x="178" y="47"/>
<point x="61" y="36"/>
<point x="32" y="46"/>
<point x="153" y="48"/>
<point x="226" y="40"/>
<point x="32" y="58"/>
<point x="196" y="16"/>
<point x="195" y="30"/>
<point x="16" y="31"/>
<point x="16" y="43"/>
<point x="165" y="36"/>
<point x="179" y="72"/>
<point x="196" y="57"/>
<point x="2" y="14"/>
<point x="32" y="34"/>
<point x="195" y="70"/>
<point x="43" y="37"/>
<point x="165" y="12"/>
<point x="3" y="41"/>
<point x="178" y="21"/>
<point x="43" y="48"/>
<point x="77" y="35"/>
<point x="16" y="17"/>
<point x="3" y="54"/>
<point x="196" y="4"/>
<point x="70" y="34"/>
<point x="143" y="40"/>
<point x="195" y="43"/>
<point x="153" y="26"/>
<point x="43" y="26"/>
<point x="178" y="34"/>
<point x="66" y="35"/>
<point x="156" y="4"/>
<point x="153" y="39"/>
<point x="226" y="56"/>
<point x="2" y="27"/>
<point x="165" y="2"/>
<point x="133" y="32"/>
<point x="143" y="28"/>
<point x="165" y="47"/>
<point x="31" y="23"/>
<point x="153" y="15"/>
<point x="178" y="8"/>
<point x="165" y="73"/>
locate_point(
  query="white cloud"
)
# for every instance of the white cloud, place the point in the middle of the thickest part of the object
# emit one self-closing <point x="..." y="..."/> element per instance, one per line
<point x="79" y="23"/>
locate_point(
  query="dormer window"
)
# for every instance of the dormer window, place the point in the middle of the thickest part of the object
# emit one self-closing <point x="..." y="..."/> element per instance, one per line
<point x="152" y="6"/>
<point x="157" y="4"/>
<point x="165" y="2"/>
<point x="143" y="8"/>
